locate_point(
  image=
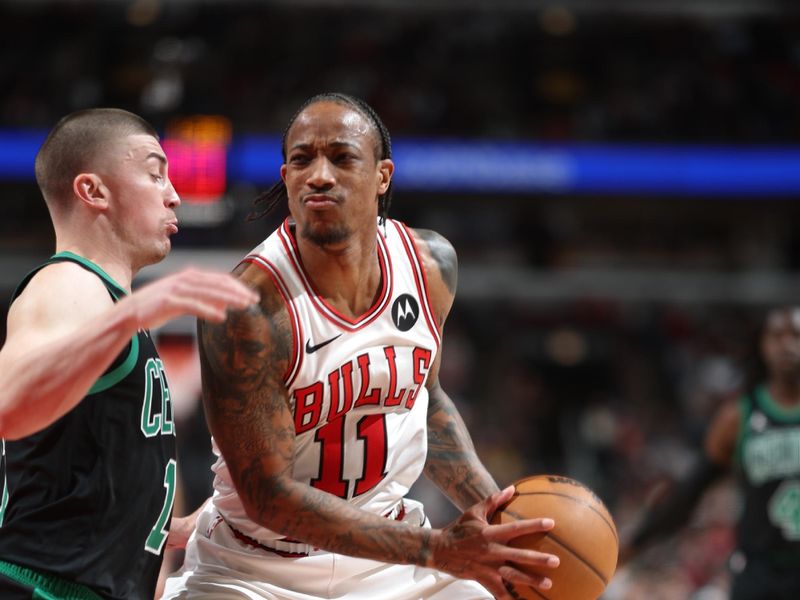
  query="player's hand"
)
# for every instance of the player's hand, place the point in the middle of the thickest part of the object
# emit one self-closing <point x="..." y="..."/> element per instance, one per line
<point x="204" y="294"/>
<point x="180" y="528"/>
<point x="471" y="548"/>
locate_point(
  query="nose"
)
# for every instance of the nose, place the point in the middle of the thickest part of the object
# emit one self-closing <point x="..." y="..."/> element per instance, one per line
<point x="171" y="198"/>
<point x="320" y="175"/>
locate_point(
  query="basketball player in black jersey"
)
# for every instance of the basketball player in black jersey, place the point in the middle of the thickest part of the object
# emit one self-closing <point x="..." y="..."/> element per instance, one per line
<point x="758" y="437"/>
<point x="88" y="463"/>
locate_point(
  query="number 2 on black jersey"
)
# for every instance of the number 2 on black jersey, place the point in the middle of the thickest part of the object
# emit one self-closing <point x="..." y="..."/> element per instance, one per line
<point x="158" y="535"/>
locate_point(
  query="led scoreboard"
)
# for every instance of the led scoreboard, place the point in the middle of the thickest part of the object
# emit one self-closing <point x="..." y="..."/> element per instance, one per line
<point x="197" y="148"/>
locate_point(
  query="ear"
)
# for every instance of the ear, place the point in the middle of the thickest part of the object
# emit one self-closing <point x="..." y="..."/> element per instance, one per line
<point x="385" y="172"/>
<point x="89" y="189"/>
<point x="283" y="173"/>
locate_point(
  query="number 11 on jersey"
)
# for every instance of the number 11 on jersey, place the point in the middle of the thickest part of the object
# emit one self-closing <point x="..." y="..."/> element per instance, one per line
<point x="371" y="430"/>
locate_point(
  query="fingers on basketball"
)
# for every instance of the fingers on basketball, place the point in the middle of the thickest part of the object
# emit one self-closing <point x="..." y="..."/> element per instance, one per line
<point x="584" y="537"/>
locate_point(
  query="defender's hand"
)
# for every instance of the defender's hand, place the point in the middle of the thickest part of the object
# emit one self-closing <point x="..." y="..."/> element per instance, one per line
<point x="204" y="294"/>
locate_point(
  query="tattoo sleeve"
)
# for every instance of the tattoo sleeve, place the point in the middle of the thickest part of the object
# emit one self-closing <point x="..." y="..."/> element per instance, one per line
<point x="243" y="362"/>
<point x="452" y="464"/>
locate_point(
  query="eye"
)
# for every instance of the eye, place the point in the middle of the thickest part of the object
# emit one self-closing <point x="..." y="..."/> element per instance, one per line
<point x="298" y="159"/>
<point x="344" y="157"/>
<point x="159" y="179"/>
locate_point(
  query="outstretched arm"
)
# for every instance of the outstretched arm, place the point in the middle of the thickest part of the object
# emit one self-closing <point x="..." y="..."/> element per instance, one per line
<point x="673" y="508"/>
<point x="64" y="331"/>
<point x="452" y="464"/>
<point x="243" y="362"/>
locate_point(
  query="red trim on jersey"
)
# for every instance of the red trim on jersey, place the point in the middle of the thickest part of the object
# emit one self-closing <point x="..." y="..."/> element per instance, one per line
<point x="297" y="329"/>
<point x="254" y="543"/>
<point x="419" y="278"/>
<point x="322" y="306"/>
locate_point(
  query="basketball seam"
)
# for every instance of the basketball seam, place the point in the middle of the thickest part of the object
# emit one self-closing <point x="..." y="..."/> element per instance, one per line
<point x="586" y="504"/>
<point x="569" y="549"/>
<point x="513" y="587"/>
<point x="572" y="551"/>
<point x="566" y="547"/>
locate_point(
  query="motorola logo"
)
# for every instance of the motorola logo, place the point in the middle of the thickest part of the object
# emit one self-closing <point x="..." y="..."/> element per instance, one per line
<point x="405" y="312"/>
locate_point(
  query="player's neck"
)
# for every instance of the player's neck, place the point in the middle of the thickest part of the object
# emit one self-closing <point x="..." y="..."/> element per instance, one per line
<point x="102" y="254"/>
<point x="785" y="390"/>
<point x="348" y="276"/>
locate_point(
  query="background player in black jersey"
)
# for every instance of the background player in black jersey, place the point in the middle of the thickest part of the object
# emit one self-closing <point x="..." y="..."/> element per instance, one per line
<point x="88" y="467"/>
<point x="758" y="437"/>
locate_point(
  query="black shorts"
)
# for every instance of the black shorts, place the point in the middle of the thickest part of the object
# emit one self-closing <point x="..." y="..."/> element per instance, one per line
<point x="11" y="590"/>
<point x="21" y="583"/>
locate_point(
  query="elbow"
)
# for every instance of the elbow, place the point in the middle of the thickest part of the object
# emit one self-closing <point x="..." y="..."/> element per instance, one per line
<point x="19" y="415"/>
<point x="268" y="502"/>
<point x="9" y="426"/>
<point x="257" y="515"/>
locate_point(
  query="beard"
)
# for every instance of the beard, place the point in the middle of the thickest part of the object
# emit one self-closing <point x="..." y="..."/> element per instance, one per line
<point x="325" y="234"/>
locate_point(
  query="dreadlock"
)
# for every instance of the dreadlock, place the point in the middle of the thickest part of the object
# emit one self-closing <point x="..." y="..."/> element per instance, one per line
<point x="266" y="201"/>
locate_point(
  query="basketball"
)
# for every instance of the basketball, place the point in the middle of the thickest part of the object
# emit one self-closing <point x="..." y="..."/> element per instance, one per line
<point x="584" y="537"/>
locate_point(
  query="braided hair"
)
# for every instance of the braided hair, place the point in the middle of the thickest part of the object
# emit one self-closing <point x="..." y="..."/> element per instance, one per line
<point x="266" y="202"/>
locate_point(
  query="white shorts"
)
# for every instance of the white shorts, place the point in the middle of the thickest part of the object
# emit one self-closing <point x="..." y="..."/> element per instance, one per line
<point x="220" y="565"/>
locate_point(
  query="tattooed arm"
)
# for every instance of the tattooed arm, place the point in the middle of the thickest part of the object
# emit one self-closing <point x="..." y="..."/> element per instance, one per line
<point x="452" y="463"/>
<point x="243" y="362"/>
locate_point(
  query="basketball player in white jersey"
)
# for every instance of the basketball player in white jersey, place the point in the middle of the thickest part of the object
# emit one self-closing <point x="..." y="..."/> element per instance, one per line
<point x="325" y="404"/>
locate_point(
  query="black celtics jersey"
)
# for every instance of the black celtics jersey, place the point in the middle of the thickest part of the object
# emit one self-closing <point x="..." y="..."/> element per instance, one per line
<point x="768" y="455"/>
<point x="89" y="498"/>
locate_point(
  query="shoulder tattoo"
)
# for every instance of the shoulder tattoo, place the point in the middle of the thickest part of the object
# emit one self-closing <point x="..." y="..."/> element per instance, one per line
<point x="443" y="255"/>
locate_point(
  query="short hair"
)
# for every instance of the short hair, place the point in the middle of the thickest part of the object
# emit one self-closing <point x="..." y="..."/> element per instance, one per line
<point x="75" y="143"/>
<point x="753" y="364"/>
<point x="277" y="192"/>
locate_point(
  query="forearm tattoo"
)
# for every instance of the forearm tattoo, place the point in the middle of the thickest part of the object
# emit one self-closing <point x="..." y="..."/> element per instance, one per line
<point x="452" y="462"/>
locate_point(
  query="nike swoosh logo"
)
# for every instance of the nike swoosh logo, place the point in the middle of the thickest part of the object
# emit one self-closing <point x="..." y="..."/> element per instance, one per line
<point x="311" y="349"/>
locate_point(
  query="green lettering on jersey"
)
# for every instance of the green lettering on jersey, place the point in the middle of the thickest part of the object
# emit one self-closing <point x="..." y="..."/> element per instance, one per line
<point x="158" y="535"/>
<point x="166" y="402"/>
<point x="784" y="509"/>
<point x="773" y="454"/>
<point x="160" y="422"/>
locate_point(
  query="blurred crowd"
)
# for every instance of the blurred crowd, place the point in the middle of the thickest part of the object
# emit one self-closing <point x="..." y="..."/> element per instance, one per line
<point x="532" y="74"/>
<point x="610" y="389"/>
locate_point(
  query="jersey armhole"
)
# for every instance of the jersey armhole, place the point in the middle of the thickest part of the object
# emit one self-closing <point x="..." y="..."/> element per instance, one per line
<point x="745" y="404"/>
<point x="120" y="372"/>
<point x="113" y="375"/>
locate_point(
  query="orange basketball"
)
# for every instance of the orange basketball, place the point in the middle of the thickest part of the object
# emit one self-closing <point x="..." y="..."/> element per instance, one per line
<point x="584" y="537"/>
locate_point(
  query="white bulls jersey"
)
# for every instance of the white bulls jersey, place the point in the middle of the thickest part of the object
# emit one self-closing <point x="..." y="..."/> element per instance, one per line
<point x="356" y="387"/>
